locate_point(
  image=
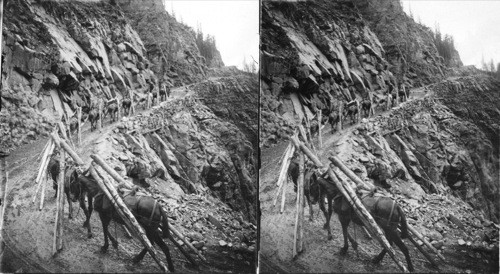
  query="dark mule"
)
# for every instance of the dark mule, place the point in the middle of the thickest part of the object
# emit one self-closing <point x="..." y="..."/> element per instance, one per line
<point x="293" y="172"/>
<point x="93" y="118"/>
<point x="126" y="105"/>
<point x="70" y="177"/>
<point x="84" y="186"/>
<point x="381" y="102"/>
<point x="334" y="119"/>
<point x="148" y="213"/>
<point x="386" y="212"/>
<point x="145" y="209"/>
<point x="73" y="125"/>
<point x="366" y="106"/>
<point x="351" y="110"/>
<point x="112" y="110"/>
<point x="142" y="100"/>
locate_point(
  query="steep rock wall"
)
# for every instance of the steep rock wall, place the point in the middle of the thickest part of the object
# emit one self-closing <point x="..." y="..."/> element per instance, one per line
<point x="170" y="45"/>
<point x="60" y="55"/>
<point x="323" y="54"/>
<point x="409" y="46"/>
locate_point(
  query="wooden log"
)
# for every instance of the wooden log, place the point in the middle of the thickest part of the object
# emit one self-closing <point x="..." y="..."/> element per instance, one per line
<point x="412" y="230"/>
<point x="79" y="117"/>
<point x="43" y="168"/>
<point x="356" y="204"/>
<point x="426" y="255"/>
<point x="45" y="158"/>
<point x="126" y="215"/>
<point x="148" y="100"/>
<point x="132" y="107"/>
<point x="339" y="124"/>
<point x="99" y="121"/>
<point x="127" y="232"/>
<point x="296" y="228"/>
<point x="283" y="196"/>
<point x="320" y="140"/>
<point x="58" y="231"/>
<point x="62" y="129"/>
<point x="284" y="170"/>
<point x="358" y="106"/>
<point x="39" y="158"/>
<point x="68" y="149"/>
<point x="43" y="182"/>
<point x="299" y="221"/>
<point x="336" y="161"/>
<point x="98" y="160"/>
<point x="119" y="105"/>
<point x="302" y="132"/>
<point x="367" y="233"/>
<point x="190" y="259"/>
<point x="3" y="198"/>
<point x="176" y="232"/>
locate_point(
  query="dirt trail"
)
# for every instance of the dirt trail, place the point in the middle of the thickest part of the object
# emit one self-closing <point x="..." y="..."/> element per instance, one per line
<point x="28" y="232"/>
<point x="321" y="255"/>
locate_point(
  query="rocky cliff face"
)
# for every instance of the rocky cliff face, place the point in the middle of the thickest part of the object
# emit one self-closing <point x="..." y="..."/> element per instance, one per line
<point x="63" y="54"/>
<point x="409" y="46"/>
<point x="328" y="52"/>
<point x="436" y="154"/>
<point x="60" y="55"/>
<point x="195" y="153"/>
<point x="170" y="45"/>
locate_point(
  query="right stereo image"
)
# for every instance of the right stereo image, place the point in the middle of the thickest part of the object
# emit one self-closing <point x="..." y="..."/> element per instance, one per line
<point x="379" y="136"/>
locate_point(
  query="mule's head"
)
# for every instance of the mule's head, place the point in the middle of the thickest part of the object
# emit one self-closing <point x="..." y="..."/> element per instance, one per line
<point x="75" y="187"/>
<point x="314" y="188"/>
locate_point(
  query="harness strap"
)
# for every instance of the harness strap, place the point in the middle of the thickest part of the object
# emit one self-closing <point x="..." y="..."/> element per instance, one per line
<point x="392" y="211"/>
<point x="152" y="213"/>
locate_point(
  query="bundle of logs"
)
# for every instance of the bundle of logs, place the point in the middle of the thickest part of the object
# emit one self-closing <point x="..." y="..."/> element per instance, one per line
<point x="347" y="189"/>
<point x="98" y="168"/>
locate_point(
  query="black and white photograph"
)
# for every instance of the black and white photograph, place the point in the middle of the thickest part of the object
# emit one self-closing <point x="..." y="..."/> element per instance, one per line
<point x="129" y="136"/>
<point x="249" y="136"/>
<point x="379" y="135"/>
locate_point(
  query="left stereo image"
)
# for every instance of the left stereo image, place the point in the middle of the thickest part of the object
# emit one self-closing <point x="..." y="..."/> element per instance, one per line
<point x="129" y="136"/>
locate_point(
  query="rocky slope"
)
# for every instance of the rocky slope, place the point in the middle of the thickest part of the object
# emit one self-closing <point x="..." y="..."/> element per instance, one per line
<point x="409" y="46"/>
<point x="196" y="152"/>
<point x="75" y="52"/>
<point x="329" y="52"/>
<point x="441" y="168"/>
<point x="437" y="154"/>
<point x="170" y="45"/>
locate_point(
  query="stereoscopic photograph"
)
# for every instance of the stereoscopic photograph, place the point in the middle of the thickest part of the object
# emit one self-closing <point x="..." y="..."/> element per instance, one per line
<point x="216" y="136"/>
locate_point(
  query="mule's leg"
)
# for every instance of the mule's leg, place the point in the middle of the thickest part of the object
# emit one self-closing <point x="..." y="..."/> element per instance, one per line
<point x="330" y="210"/>
<point x="353" y="242"/>
<point x="143" y="252"/>
<point x="70" y="216"/>
<point x="139" y="256"/>
<point x="310" y="208"/>
<point x="344" y="221"/>
<point x="166" y="251"/>
<point x="380" y="256"/>
<point x="321" y="203"/>
<point x="105" y="223"/>
<point x="86" y="223"/>
<point x="397" y="240"/>
<point x="114" y="242"/>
